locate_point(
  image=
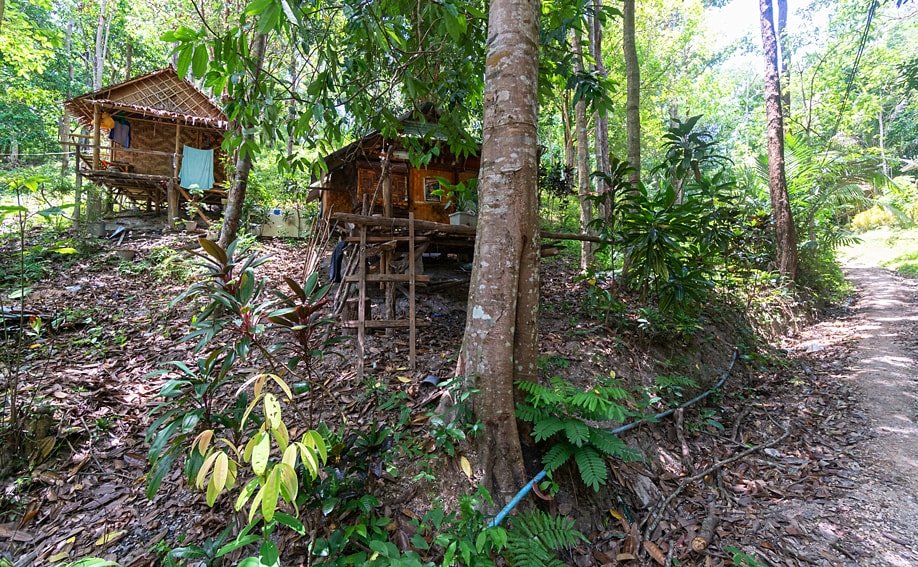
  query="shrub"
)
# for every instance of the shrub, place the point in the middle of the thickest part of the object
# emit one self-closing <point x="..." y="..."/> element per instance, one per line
<point x="874" y="217"/>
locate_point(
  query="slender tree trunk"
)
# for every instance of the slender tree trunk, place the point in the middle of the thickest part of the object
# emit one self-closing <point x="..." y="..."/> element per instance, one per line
<point x="128" y="59"/>
<point x="633" y="90"/>
<point x="601" y="119"/>
<point x="777" y="181"/>
<point x="100" y="47"/>
<point x="785" y="58"/>
<point x="63" y="126"/>
<point x="236" y="196"/>
<point x="583" y="163"/>
<point x="884" y="161"/>
<point x="499" y="345"/>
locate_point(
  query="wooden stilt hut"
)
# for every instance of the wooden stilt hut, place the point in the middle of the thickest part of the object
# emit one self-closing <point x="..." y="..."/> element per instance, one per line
<point x="137" y="134"/>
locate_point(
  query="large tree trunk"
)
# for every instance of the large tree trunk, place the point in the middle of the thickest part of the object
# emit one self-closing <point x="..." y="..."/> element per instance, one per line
<point x="601" y="119"/>
<point x="633" y="91"/>
<point x="777" y="181"/>
<point x="236" y="196"/>
<point x="499" y="345"/>
<point x="583" y="163"/>
<point x="785" y="56"/>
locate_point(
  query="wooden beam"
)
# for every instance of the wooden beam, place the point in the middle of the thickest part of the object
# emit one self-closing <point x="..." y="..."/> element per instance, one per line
<point x="96" y="136"/>
<point x="176" y="161"/>
<point x="363" y="220"/>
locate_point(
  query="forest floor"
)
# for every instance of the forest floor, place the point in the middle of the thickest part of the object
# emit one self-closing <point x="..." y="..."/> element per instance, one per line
<point x="830" y="414"/>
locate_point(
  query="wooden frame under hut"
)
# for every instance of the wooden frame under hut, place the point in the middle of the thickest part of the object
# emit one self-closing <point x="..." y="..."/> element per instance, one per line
<point x="154" y="139"/>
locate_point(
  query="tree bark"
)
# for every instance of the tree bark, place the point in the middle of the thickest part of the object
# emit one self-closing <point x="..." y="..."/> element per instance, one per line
<point x="583" y="162"/>
<point x="236" y="196"/>
<point x="499" y="345"/>
<point x="100" y="47"/>
<point x="785" y="57"/>
<point x="128" y="59"/>
<point x="777" y="180"/>
<point x="601" y="120"/>
<point x="633" y="91"/>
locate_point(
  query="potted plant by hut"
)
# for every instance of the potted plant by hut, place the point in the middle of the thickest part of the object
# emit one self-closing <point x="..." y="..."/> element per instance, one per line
<point x="192" y="208"/>
<point x="464" y="196"/>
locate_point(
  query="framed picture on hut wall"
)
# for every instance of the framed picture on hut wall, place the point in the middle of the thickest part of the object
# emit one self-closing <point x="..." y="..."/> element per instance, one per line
<point x="432" y="190"/>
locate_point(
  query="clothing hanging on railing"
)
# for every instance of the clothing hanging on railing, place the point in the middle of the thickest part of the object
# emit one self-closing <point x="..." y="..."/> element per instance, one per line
<point x="197" y="168"/>
<point x="121" y="132"/>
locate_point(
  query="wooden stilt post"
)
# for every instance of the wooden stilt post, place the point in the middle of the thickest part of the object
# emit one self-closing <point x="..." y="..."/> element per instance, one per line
<point x="77" y="186"/>
<point x="172" y="197"/>
<point x="361" y="301"/>
<point x="412" y="284"/>
<point x="96" y="136"/>
<point x="386" y="258"/>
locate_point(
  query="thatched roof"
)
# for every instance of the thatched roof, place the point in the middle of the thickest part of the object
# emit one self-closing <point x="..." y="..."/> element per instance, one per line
<point x="161" y="95"/>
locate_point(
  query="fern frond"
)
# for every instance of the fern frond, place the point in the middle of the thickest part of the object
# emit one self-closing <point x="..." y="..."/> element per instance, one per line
<point x="557" y="456"/>
<point x="546" y="427"/>
<point x="535" y="536"/>
<point x="529" y="414"/>
<point x="588" y="400"/>
<point x="613" y="446"/>
<point x="577" y="432"/>
<point x="592" y="467"/>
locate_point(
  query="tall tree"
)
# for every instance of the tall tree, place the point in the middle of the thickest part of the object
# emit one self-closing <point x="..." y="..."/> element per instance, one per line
<point x="101" y="45"/>
<point x="774" y="131"/>
<point x="601" y="119"/>
<point x="583" y="159"/>
<point x="499" y="345"/>
<point x="784" y="43"/>
<point x="244" y="126"/>
<point x="633" y="89"/>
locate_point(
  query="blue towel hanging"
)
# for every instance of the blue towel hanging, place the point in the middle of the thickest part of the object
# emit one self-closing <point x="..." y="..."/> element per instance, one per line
<point x="197" y="169"/>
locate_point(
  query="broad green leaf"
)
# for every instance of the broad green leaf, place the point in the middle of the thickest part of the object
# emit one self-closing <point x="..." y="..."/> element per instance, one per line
<point x="269" y="494"/>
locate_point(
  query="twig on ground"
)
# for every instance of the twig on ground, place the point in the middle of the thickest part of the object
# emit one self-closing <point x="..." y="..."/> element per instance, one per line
<point x="654" y="519"/>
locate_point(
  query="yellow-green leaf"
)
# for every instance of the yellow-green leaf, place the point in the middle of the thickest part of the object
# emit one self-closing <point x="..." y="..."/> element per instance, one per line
<point x="109" y="537"/>
<point x="283" y="386"/>
<point x="466" y="466"/>
<point x="221" y="471"/>
<point x="245" y="494"/>
<point x="272" y="411"/>
<point x="231" y="475"/>
<point x="289" y="457"/>
<point x="248" y="410"/>
<point x="281" y="436"/>
<point x="317" y="443"/>
<point x="289" y="482"/>
<point x="205" y="468"/>
<point x="202" y="442"/>
<point x="260" y="453"/>
<point x="256" y="503"/>
<point x="212" y="491"/>
<point x="309" y="460"/>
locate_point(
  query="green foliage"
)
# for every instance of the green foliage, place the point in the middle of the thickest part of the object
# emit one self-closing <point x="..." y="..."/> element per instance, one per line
<point x="220" y="432"/>
<point x="535" y="537"/>
<point x="875" y="217"/>
<point x="566" y="416"/>
<point x="740" y="558"/>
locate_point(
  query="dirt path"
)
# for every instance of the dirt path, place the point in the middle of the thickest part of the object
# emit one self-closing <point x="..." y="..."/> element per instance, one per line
<point x="875" y="522"/>
<point x="886" y="373"/>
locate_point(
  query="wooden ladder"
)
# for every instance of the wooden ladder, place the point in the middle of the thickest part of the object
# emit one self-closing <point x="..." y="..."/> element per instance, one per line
<point x="361" y="278"/>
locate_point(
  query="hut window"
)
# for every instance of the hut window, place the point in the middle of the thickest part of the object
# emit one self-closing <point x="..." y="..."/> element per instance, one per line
<point x="432" y="190"/>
